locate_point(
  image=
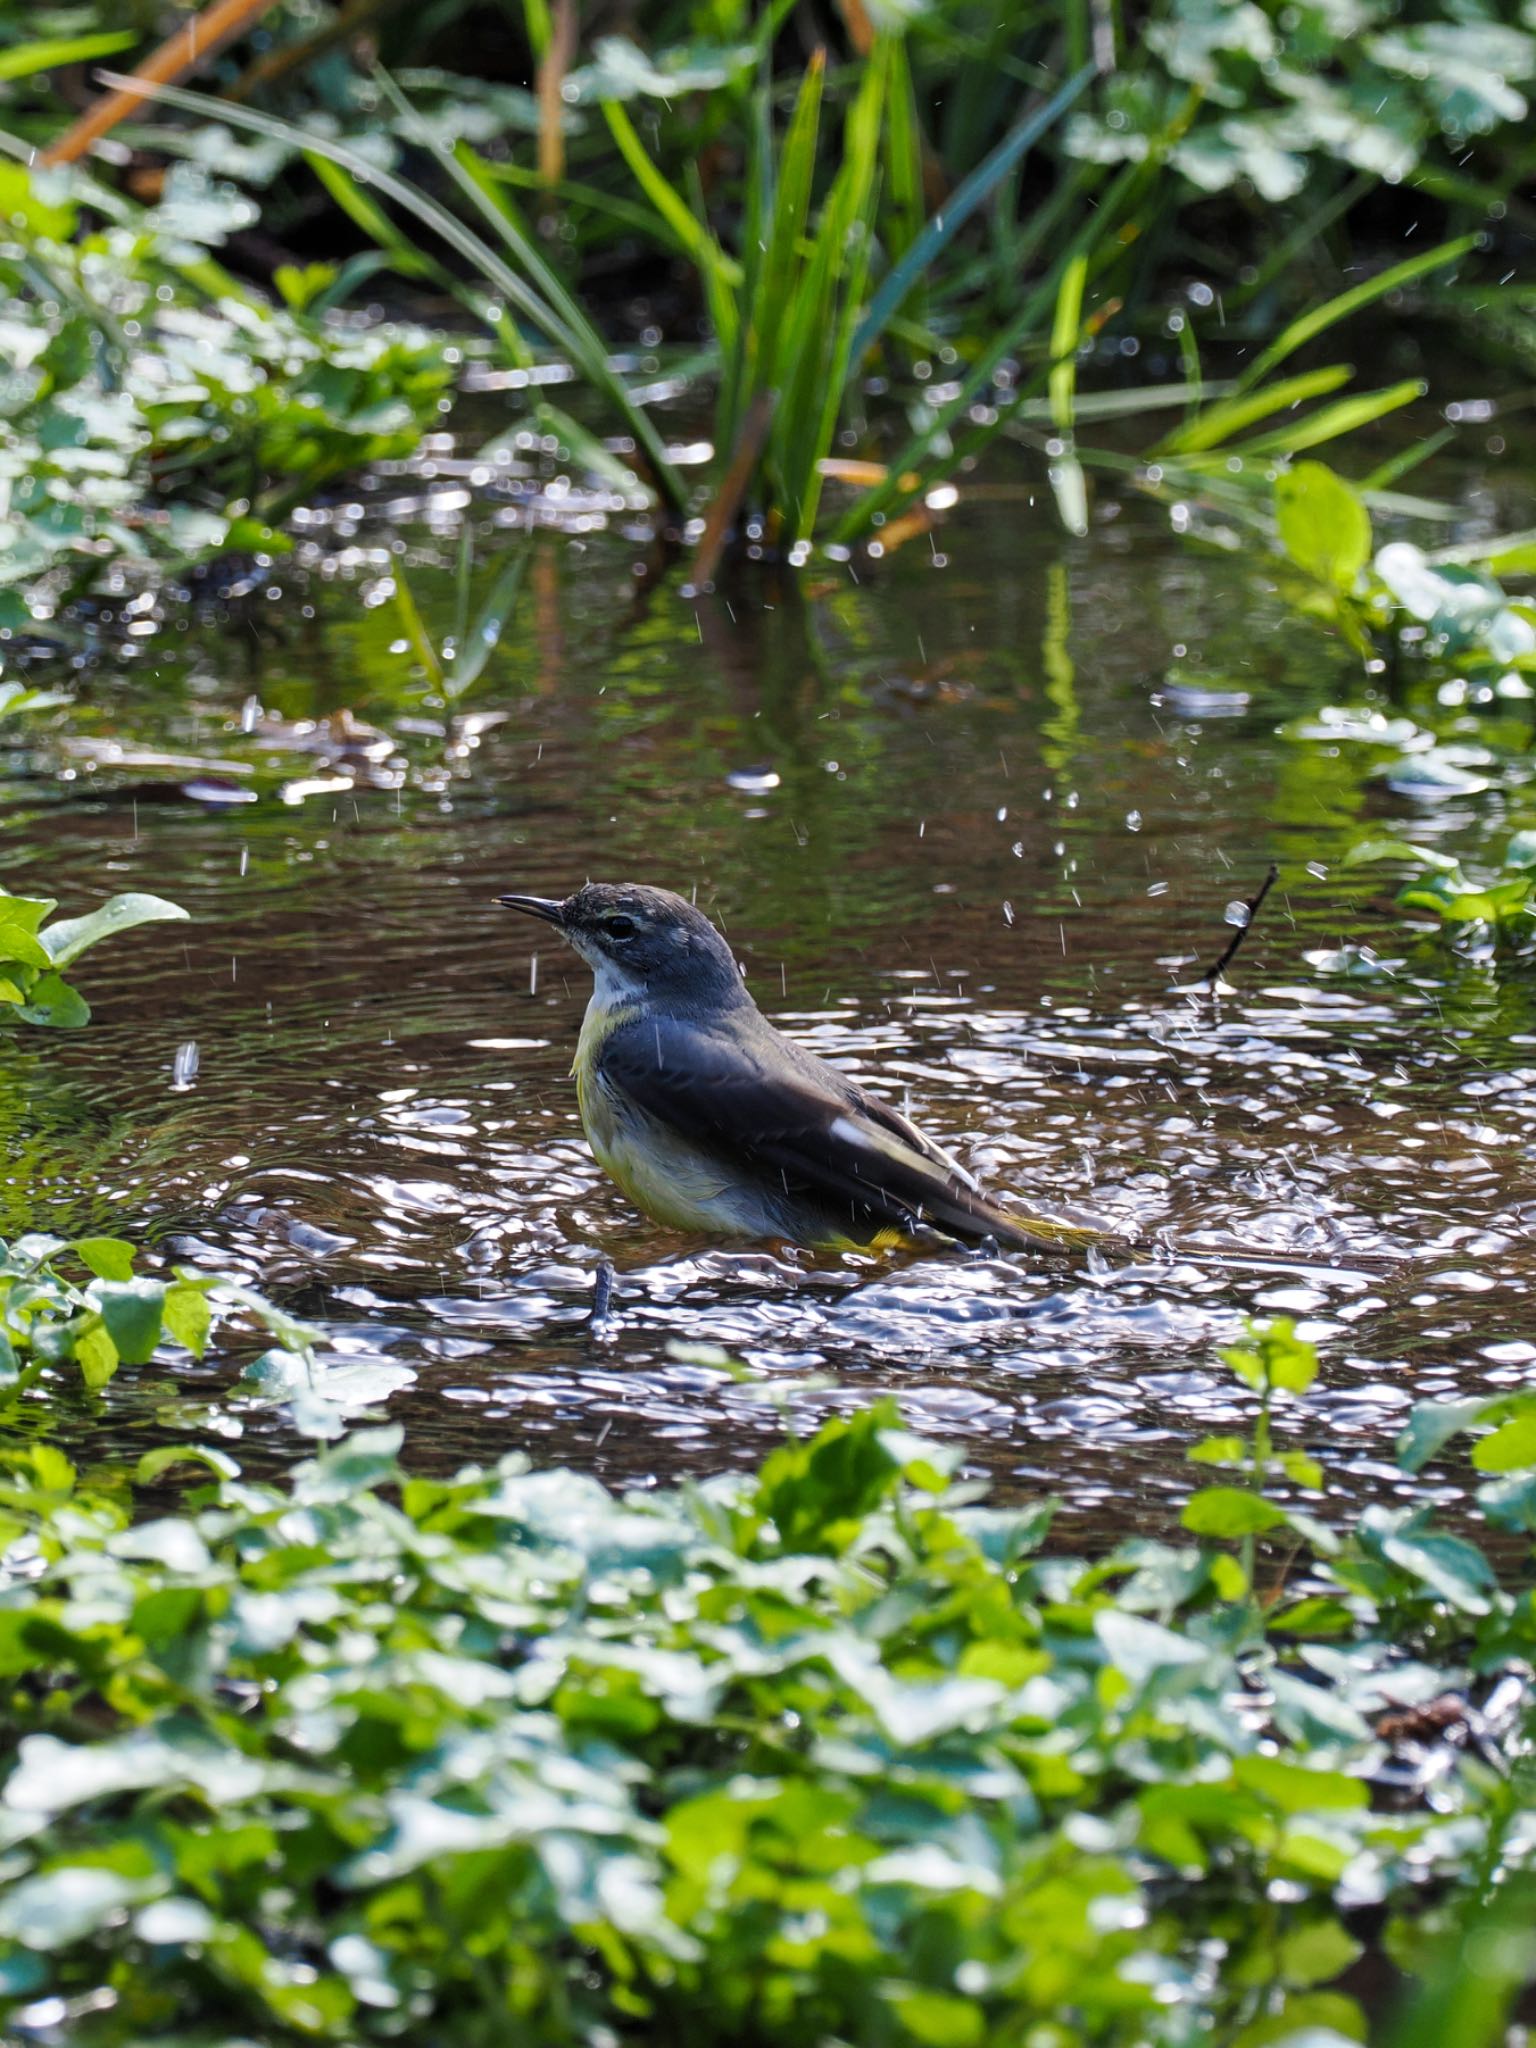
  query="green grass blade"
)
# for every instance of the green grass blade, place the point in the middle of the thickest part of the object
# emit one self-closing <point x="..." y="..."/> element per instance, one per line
<point x="790" y="204"/>
<point x="1501" y="554"/>
<point x="1065" y="473"/>
<point x="25" y="60"/>
<point x="414" y="628"/>
<point x="471" y="654"/>
<point x="624" y="213"/>
<point x="1329" y="422"/>
<point x="904" y="207"/>
<point x="1406" y="460"/>
<point x="363" y="212"/>
<point x="719" y="275"/>
<point x="1215" y="424"/>
<point x="581" y="339"/>
<point x="690" y="233"/>
<point x="461" y="580"/>
<point x="823" y="352"/>
<point x="962" y="203"/>
<point x="918" y="457"/>
<point x="1309" y="325"/>
<point x="1066" y="332"/>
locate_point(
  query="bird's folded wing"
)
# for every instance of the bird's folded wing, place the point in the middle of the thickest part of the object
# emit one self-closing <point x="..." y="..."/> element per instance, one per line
<point x="819" y="1140"/>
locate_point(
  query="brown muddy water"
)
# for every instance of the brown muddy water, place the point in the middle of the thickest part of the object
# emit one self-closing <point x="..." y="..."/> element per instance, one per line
<point x="970" y="816"/>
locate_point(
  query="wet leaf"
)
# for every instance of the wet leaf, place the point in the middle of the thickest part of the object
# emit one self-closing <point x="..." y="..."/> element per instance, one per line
<point x="1324" y="526"/>
<point x="131" y="1311"/>
<point x="1230" y="1511"/>
<point x="187" y="1317"/>
<point x="109" y="1258"/>
<point x="51" y="1001"/>
<point x="1295" y="1788"/>
<point x="1511" y="1447"/>
<point x="71" y="936"/>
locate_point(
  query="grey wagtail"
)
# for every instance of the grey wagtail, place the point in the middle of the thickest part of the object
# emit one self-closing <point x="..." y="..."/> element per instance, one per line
<point x="712" y="1121"/>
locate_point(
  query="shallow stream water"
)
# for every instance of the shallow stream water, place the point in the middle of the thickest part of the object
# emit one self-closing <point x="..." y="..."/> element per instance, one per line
<point x="972" y="816"/>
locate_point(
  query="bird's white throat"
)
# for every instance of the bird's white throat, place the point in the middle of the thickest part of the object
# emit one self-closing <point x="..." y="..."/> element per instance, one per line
<point x="613" y="988"/>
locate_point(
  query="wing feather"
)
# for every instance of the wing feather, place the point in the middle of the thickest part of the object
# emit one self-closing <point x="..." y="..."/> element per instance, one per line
<point x="756" y="1101"/>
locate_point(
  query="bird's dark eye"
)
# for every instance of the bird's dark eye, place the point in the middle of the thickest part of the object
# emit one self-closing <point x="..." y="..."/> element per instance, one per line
<point x="620" y="926"/>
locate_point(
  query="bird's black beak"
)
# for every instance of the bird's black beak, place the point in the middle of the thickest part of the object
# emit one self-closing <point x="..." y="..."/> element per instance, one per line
<point x="546" y="907"/>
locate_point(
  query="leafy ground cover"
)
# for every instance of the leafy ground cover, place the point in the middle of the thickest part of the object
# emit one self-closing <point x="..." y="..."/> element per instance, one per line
<point x="832" y="1750"/>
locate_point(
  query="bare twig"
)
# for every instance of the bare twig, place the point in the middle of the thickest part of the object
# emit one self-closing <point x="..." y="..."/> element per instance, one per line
<point x="1212" y="975"/>
<point x="553" y="66"/>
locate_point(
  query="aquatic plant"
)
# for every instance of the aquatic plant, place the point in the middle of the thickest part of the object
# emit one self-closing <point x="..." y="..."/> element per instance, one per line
<point x="50" y="1320"/>
<point x="828" y="1749"/>
<point x="34" y="952"/>
<point x="1289" y="101"/>
<point x="1501" y="903"/>
<point x="155" y="409"/>
<point x="453" y="669"/>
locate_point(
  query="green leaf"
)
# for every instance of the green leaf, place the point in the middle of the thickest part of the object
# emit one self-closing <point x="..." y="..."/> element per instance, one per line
<point x="132" y="1311"/>
<point x="1219" y="1450"/>
<point x="1301" y="1470"/>
<point x="1296" y="1788"/>
<point x="1279" y="1358"/>
<point x="815" y="1493"/>
<point x="1290" y="1362"/>
<point x="52" y="1002"/>
<point x="26" y="911"/>
<point x="17" y="943"/>
<point x="1455" y="1570"/>
<point x="1317" y="1953"/>
<point x="154" y="1464"/>
<point x="58" y="1907"/>
<point x="1511" y="1448"/>
<point x="1230" y="1511"/>
<point x="109" y="1258"/>
<point x="95" y="1354"/>
<point x="1368" y="850"/>
<point x="1320" y="318"/>
<point x="187" y="1316"/>
<point x="1143" y="1649"/>
<point x="71" y="936"/>
<point x="938" y="2019"/>
<point x="1324" y="526"/>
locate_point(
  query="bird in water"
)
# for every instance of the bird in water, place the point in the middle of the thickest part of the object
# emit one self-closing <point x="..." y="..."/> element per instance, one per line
<point x="712" y="1121"/>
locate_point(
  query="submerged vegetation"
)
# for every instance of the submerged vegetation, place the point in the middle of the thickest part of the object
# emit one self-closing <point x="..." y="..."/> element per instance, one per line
<point x="831" y="1750"/>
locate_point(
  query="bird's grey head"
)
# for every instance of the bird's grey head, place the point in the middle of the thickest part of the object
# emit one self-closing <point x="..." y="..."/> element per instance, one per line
<point x="642" y="942"/>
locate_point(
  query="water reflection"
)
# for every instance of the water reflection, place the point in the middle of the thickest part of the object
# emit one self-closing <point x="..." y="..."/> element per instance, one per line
<point x="968" y="826"/>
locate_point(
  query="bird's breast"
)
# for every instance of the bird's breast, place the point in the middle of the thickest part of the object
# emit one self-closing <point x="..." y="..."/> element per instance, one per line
<point x="659" y="1170"/>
